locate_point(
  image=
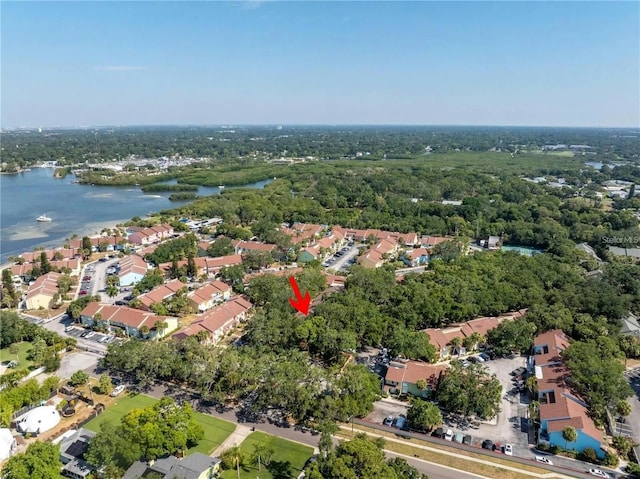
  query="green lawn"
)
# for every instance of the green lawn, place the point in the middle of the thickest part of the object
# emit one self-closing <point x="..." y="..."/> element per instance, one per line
<point x="24" y="363"/>
<point x="284" y="452"/>
<point x="122" y="406"/>
<point x="215" y="430"/>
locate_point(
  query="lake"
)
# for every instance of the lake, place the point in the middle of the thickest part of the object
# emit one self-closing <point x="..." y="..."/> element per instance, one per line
<point x="73" y="208"/>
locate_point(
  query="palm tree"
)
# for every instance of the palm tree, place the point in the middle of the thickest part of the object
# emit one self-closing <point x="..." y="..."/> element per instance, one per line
<point x="112" y="291"/>
<point x="455" y="343"/>
<point x="569" y="434"/>
<point x="144" y="330"/>
<point x="532" y="385"/>
<point x="160" y="326"/>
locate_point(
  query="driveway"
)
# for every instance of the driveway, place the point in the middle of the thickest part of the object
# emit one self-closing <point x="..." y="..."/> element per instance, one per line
<point x="510" y="425"/>
<point x="632" y="421"/>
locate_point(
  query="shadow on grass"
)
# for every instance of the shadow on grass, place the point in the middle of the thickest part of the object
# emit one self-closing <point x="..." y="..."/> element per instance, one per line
<point x="280" y="469"/>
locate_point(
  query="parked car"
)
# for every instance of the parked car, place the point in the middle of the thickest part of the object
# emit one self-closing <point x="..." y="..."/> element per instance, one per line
<point x="599" y="473"/>
<point x="485" y="356"/>
<point x="497" y="447"/>
<point x="508" y="449"/>
<point x="69" y="328"/>
<point x="84" y="292"/>
<point x="117" y="390"/>
<point x="103" y="260"/>
<point x="487" y="444"/>
<point x="86" y="278"/>
<point x="473" y="359"/>
<point x="465" y="363"/>
<point x="121" y="303"/>
<point x="84" y="335"/>
<point x="449" y="435"/>
<point x="90" y="335"/>
<point x="519" y="371"/>
<point x="388" y="421"/>
<point x="466" y="440"/>
<point x="458" y="437"/>
<point x="544" y="460"/>
<point x="480" y="359"/>
<point x="400" y="422"/>
<point x="439" y="432"/>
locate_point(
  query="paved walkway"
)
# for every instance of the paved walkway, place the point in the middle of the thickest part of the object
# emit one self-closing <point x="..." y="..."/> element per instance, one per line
<point x="235" y="439"/>
<point x="466" y="458"/>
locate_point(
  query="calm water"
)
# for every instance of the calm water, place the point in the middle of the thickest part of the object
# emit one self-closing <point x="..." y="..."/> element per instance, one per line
<point x="73" y="208"/>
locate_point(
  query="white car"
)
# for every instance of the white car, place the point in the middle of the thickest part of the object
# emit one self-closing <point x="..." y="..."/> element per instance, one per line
<point x="449" y="435"/>
<point x="117" y="390"/>
<point x="69" y="328"/>
<point x="479" y="359"/>
<point x="90" y="335"/>
<point x="544" y="460"/>
<point x="599" y="473"/>
<point x="508" y="449"/>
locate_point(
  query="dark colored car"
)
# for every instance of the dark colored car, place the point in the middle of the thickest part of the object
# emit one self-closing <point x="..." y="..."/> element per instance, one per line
<point x="466" y="440"/>
<point x="103" y="260"/>
<point x="487" y="444"/>
<point x="519" y="371"/>
<point x="439" y="432"/>
<point x="83" y="293"/>
<point x="485" y="356"/>
<point x="121" y="303"/>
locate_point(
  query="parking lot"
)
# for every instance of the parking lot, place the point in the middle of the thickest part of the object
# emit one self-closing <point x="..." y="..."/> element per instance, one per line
<point x="89" y="335"/>
<point x="343" y="258"/>
<point x="631" y="425"/>
<point x="510" y="426"/>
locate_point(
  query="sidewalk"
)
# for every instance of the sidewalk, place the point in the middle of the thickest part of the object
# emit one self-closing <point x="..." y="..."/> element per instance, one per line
<point x="466" y="458"/>
<point x="239" y="434"/>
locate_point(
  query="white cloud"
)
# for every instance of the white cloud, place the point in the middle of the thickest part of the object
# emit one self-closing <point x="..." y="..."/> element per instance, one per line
<point x="120" y="68"/>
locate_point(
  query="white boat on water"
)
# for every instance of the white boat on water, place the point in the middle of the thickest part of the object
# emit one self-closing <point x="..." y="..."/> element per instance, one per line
<point x="43" y="219"/>
<point x="221" y="187"/>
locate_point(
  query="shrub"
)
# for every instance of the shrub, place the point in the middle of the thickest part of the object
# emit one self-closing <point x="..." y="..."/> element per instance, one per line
<point x="611" y="460"/>
<point x="589" y="454"/>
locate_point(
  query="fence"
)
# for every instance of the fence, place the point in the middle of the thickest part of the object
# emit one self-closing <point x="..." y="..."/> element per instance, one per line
<point x="26" y="409"/>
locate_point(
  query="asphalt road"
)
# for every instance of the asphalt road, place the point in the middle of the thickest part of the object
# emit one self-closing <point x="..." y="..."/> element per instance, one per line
<point x="434" y="471"/>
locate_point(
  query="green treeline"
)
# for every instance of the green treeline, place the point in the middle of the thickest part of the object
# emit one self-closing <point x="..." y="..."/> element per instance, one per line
<point x="182" y="196"/>
<point x="165" y="187"/>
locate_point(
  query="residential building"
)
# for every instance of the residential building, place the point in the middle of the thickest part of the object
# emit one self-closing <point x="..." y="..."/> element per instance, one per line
<point x="252" y="247"/>
<point x="160" y="293"/>
<point x="102" y="243"/>
<point x="40" y="294"/>
<point x="416" y="257"/>
<point x="127" y="320"/>
<point x="147" y="236"/>
<point x="8" y="443"/>
<point x="379" y="254"/>
<point x="303" y="232"/>
<point x="218" y="321"/>
<point x="195" y="466"/>
<point x="207" y="296"/>
<point x="402" y="377"/>
<point x="630" y="325"/>
<point x="52" y="254"/>
<point x="73" y="447"/>
<point x="441" y="337"/>
<point x="132" y="270"/>
<point x="208" y="266"/>
<point x="429" y="242"/>
<point x="24" y="270"/>
<point x="560" y="407"/>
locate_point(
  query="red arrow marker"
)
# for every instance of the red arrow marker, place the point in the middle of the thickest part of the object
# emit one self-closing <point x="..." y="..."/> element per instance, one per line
<point x="301" y="304"/>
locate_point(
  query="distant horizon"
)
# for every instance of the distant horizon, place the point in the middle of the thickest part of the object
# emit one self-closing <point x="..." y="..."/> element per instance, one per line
<point x="314" y="125"/>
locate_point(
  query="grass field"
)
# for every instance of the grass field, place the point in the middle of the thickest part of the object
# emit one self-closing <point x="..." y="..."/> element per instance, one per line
<point x="215" y="430"/>
<point x="24" y="348"/>
<point x="287" y="455"/>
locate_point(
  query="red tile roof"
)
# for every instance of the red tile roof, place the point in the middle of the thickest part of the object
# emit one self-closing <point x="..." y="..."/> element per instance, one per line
<point x="46" y="285"/>
<point x="132" y="264"/>
<point x="134" y="318"/>
<point x="217" y="319"/>
<point x="252" y="246"/>
<point x="555" y="341"/>
<point x="414" y="371"/>
<point x="157" y="294"/>
<point x="208" y="291"/>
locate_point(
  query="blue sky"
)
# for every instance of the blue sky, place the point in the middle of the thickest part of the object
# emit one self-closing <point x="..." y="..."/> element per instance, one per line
<point x="466" y="63"/>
